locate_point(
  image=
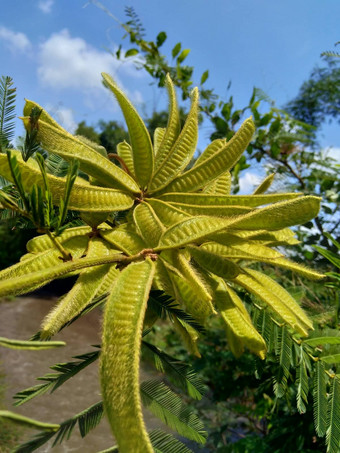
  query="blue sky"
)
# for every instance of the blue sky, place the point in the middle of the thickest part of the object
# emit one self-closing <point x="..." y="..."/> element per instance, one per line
<point x="55" y="50"/>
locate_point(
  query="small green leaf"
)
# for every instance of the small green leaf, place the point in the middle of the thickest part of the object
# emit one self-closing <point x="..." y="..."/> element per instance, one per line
<point x="131" y="53"/>
<point x="322" y="340"/>
<point x="176" y="50"/>
<point x="204" y="77"/>
<point x="70" y="180"/>
<point x="161" y="37"/>
<point x="183" y="56"/>
<point x="166" y="443"/>
<point x="332" y="257"/>
<point x="331" y="359"/>
<point x="178" y="372"/>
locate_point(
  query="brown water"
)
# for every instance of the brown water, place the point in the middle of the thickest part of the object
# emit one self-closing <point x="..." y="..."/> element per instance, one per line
<point x="20" y="319"/>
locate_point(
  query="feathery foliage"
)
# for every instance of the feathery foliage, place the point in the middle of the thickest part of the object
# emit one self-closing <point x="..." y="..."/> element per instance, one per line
<point x="86" y="420"/>
<point x="333" y="431"/>
<point x="166" y="405"/>
<point x="320" y="399"/>
<point x="179" y="373"/>
<point x="64" y="371"/>
<point x="7" y="112"/>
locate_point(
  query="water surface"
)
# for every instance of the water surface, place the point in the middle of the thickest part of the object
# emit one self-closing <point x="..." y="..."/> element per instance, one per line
<point x="20" y="319"/>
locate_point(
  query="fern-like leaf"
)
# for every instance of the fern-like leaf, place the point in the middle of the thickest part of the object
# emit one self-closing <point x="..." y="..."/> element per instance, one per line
<point x="302" y="382"/>
<point x="284" y="360"/>
<point x="56" y="165"/>
<point x="87" y="420"/>
<point x="165" y="443"/>
<point x="320" y="399"/>
<point x="165" y="306"/>
<point x="64" y="371"/>
<point x="167" y="406"/>
<point x="35" y="442"/>
<point x="333" y="431"/>
<point x="161" y="443"/>
<point x="179" y="373"/>
<point x="7" y="115"/>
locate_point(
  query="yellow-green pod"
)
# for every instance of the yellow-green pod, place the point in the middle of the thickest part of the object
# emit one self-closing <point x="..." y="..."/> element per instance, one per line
<point x="164" y="138"/>
<point x="214" y="166"/>
<point x="264" y="185"/>
<point x="167" y="213"/>
<point x="295" y="267"/>
<point x="84" y="197"/>
<point x="197" y="308"/>
<point x="44" y="242"/>
<point x="238" y="323"/>
<point x="179" y="154"/>
<point x="254" y="286"/>
<point x="124" y="239"/>
<point x="189" y="336"/>
<point x="83" y="291"/>
<point x="120" y="355"/>
<point x="148" y="224"/>
<point x="142" y="152"/>
<point x="45" y="259"/>
<point x="211" y="210"/>
<point x="157" y="139"/>
<point x="195" y="278"/>
<point x="67" y="146"/>
<point x="124" y="151"/>
<point x="221" y="185"/>
<point x="283" y="295"/>
<point x="218" y="265"/>
<point x="204" y="199"/>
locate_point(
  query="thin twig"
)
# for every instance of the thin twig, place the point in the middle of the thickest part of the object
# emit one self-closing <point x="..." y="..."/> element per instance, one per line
<point x="120" y="160"/>
<point x="66" y="255"/>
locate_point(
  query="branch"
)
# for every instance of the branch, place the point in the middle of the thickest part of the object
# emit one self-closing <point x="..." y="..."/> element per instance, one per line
<point x="120" y="160"/>
<point x="293" y="172"/>
<point x="286" y="164"/>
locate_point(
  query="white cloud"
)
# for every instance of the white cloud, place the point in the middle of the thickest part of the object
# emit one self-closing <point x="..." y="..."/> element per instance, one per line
<point x="248" y="181"/>
<point x="64" y="116"/>
<point x="46" y="6"/>
<point x="334" y="153"/>
<point x="15" y="41"/>
<point x="70" y="62"/>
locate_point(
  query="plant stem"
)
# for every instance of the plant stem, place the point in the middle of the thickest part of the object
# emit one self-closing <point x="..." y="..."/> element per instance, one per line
<point x="66" y="255"/>
<point x="120" y="160"/>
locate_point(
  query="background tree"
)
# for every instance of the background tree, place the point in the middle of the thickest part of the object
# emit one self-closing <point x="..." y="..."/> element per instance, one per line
<point x="318" y="99"/>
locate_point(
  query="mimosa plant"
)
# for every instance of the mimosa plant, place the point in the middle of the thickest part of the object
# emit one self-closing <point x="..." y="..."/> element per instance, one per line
<point x="156" y="236"/>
